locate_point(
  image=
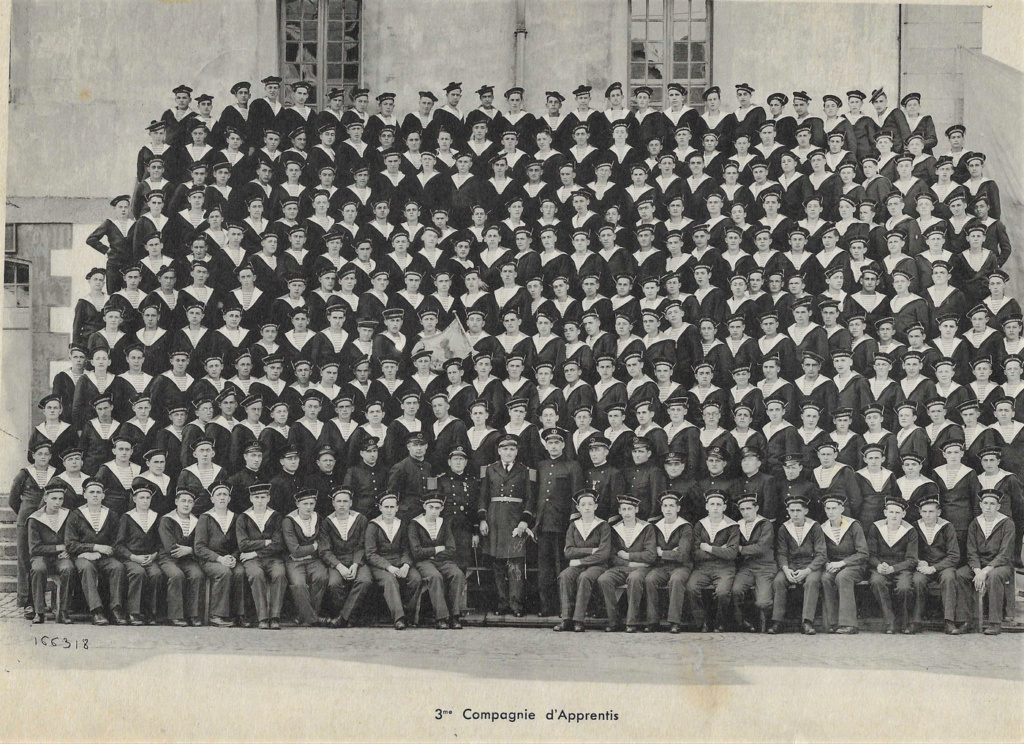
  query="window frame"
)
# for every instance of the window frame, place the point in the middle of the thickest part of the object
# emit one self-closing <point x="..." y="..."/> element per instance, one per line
<point x="322" y="83"/>
<point x="668" y="60"/>
<point x="17" y="264"/>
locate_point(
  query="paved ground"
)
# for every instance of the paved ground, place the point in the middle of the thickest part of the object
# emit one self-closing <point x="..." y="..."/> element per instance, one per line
<point x="365" y="672"/>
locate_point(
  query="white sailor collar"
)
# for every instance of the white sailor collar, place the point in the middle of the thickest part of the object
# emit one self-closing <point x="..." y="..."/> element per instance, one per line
<point x="379" y="521"/>
<point x="104" y="512"/>
<point x="939" y="524"/>
<point x="294" y="515"/>
<point x="903" y="530"/>
<point x="791" y="529"/>
<point x="726" y="522"/>
<point x="844" y="527"/>
<point x="40" y="516"/>
<point x="261" y="523"/>
<point x="152" y="515"/>
<point x="422" y="520"/>
<point x="585" y="533"/>
<point x="639" y="528"/>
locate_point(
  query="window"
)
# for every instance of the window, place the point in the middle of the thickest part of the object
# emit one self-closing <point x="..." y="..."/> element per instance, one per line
<point x="16" y="285"/>
<point x="320" y="42"/>
<point x="669" y="42"/>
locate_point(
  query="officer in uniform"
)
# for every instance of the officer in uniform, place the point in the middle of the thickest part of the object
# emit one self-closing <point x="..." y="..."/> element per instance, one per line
<point x="644" y="478"/>
<point x="717" y="541"/>
<point x="634" y="551"/>
<point x="558" y="478"/>
<point x="588" y="547"/>
<point x="460" y="494"/>
<point x="602" y="477"/>
<point x="366" y="480"/>
<point x="506" y="507"/>
<point x="672" y="567"/>
<point x="409" y="477"/>
<point x="800" y="554"/>
<point x="756" y="565"/>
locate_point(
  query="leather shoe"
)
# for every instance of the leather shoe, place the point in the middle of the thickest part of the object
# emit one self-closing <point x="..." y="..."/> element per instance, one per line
<point x="847" y="630"/>
<point x="275" y="623"/>
<point x="631" y="629"/>
<point x="911" y="629"/>
<point x="775" y="628"/>
<point x="455" y="623"/>
<point x="179" y="623"/>
<point x="441" y="624"/>
<point x="890" y="629"/>
<point x="578" y="627"/>
<point x="992" y="629"/>
<point x="28" y="612"/>
<point x="98" y="618"/>
<point x="675" y="629"/>
<point x="64" y="618"/>
<point x="808" y="628"/>
<point x="951" y="628"/>
<point x="264" y="625"/>
<point x="38" y="619"/>
<point x="720" y="628"/>
<point x="747" y="627"/>
<point x="119" y="617"/>
<point x="195" y="622"/>
<point x="400" y="624"/>
<point x="649" y="628"/>
<point x="338" y="622"/>
<point x="705" y="628"/>
<point x="519" y="613"/>
<point x="221" y="622"/>
<point x="611" y="628"/>
<point x="135" y="620"/>
<point x="564" y="626"/>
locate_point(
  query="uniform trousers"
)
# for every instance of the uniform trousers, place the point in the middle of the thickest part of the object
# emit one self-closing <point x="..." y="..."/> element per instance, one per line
<point x="575" y="585"/>
<point x="757" y="578"/>
<point x="227" y="588"/>
<point x="443" y="579"/>
<point x="509" y="580"/>
<point x="998" y="582"/>
<point x="675" y="579"/>
<point x="344" y="595"/>
<point x="26" y="510"/>
<point x="721" y="578"/>
<point x="903" y="583"/>
<point x="185" y="583"/>
<point x="954" y="606"/>
<point x="307" y="582"/>
<point x="267" y="580"/>
<point x="89" y="576"/>
<point x="400" y="594"/>
<point x="839" y="598"/>
<point x="41" y="566"/>
<point x="609" y="583"/>
<point x="812" y="588"/>
<point x="550" y="560"/>
<point x="463" y="548"/>
<point x="145" y="584"/>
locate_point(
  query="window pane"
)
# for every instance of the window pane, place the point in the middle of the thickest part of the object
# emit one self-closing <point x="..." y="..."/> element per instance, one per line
<point x="680" y="30"/>
<point x="638" y="8"/>
<point x="23" y="299"/>
<point x="698" y="72"/>
<point x="655" y="8"/>
<point x="638" y="71"/>
<point x="351" y="52"/>
<point x="334" y="71"/>
<point x="335" y="10"/>
<point x="309" y="31"/>
<point x="699" y="9"/>
<point x="656" y="72"/>
<point x="639" y="31"/>
<point x="312" y="9"/>
<point x="22" y="273"/>
<point x="656" y="31"/>
<point x="694" y="96"/>
<point x="655" y="51"/>
<point x="351" y="9"/>
<point x="351" y="74"/>
<point x="680" y="72"/>
<point x="698" y="31"/>
<point x="291" y="52"/>
<point x="10" y="272"/>
<point x="697" y="52"/>
<point x="335" y="31"/>
<point x="292" y="31"/>
<point x="352" y="31"/>
<point x="657" y="94"/>
<point x="680" y="51"/>
<point x="10" y="296"/>
<point x="335" y="53"/>
<point x="636" y="52"/>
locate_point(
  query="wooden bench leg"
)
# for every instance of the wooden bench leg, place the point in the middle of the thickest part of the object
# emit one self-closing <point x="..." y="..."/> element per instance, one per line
<point x="981" y="610"/>
<point x="206" y="603"/>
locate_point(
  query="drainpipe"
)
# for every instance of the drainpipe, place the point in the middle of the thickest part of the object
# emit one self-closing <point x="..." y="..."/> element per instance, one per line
<point x="520" y="42"/>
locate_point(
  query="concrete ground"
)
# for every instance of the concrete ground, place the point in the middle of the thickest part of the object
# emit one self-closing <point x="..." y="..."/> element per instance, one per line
<point x="375" y="683"/>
